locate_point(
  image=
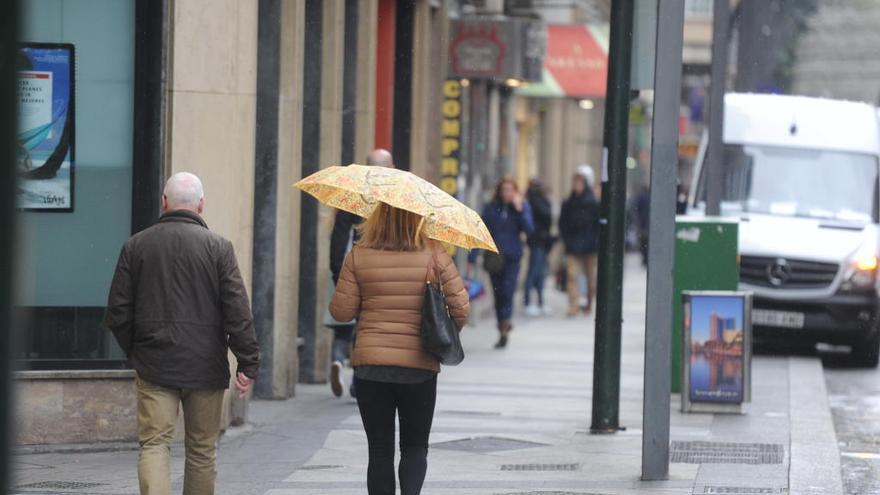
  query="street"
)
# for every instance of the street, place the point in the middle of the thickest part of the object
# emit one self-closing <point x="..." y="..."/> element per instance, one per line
<point x="855" y="404"/>
<point x="516" y="422"/>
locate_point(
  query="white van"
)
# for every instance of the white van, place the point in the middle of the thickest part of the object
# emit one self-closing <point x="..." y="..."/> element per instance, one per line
<point x="801" y="175"/>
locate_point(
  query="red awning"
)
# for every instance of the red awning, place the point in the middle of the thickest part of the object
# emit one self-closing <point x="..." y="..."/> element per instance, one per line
<point x="576" y="60"/>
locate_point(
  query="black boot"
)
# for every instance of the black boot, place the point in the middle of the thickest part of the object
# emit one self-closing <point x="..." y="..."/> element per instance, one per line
<point x="504" y="328"/>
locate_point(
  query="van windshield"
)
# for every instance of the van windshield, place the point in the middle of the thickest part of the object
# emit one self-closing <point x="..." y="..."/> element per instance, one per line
<point x="799" y="182"/>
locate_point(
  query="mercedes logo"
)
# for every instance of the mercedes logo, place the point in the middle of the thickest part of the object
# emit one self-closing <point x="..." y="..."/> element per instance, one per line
<point x="779" y="272"/>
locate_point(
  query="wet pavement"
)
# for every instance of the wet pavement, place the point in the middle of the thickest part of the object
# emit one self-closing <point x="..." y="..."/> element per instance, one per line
<point x="854" y="394"/>
<point x="514" y="422"/>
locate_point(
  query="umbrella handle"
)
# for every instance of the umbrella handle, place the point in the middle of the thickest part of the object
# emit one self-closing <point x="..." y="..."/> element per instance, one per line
<point x="422" y="223"/>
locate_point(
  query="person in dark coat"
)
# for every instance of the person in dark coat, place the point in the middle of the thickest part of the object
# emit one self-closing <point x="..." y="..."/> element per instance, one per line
<point x="539" y="243"/>
<point x="579" y="230"/>
<point x="344" y="235"/>
<point x="643" y="220"/>
<point x="177" y="305"/>
<point x="507" y="217"/>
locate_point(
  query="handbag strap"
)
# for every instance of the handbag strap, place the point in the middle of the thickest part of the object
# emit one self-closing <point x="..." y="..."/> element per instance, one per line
<point x="432" y="268"/>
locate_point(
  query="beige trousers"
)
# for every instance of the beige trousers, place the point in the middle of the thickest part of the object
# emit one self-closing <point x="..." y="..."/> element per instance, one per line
<point x="157" y="415"/>
<point x="577" y="263"/>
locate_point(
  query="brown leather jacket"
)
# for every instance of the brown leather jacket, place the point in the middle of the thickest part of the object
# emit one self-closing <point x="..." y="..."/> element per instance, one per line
<point x="177" y="303"/>
<point x="385" y="291"/>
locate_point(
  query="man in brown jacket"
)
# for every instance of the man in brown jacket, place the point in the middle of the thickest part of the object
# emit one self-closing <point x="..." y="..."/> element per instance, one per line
<point x="177" y="304"/>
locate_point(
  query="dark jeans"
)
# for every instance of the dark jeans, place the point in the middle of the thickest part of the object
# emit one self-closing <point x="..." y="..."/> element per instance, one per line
<point x="536" y="274"/>
<point x="504" y="288"/>
<point x="414" y="405"/>
<point x="342" y="340"/>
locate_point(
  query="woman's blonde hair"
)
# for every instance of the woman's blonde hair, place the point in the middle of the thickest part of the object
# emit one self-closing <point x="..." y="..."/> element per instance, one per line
<point x="392" y="229"/>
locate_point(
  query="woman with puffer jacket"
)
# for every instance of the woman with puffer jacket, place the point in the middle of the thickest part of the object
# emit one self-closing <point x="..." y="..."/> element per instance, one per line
<point x="382" y="284"/>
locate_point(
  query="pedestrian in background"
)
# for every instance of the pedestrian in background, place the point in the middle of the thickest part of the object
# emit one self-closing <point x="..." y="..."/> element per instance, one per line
<point x="508" y="216"/>
<point x="177" y="305"/>
<point x="540" y="242"/>
<point x="579" y="230"/>
<point x="342" y="238"/>
<point x="382" y="284"/>
<point x="642" y="209"/>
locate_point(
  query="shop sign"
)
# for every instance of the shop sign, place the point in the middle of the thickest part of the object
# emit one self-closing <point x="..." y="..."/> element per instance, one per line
<point x="450" y="131"/>
<point x="716" y="351"/>
<point x="479" y="50"/>
<point x="45" y="136"/>
<point x="497" y="48"/>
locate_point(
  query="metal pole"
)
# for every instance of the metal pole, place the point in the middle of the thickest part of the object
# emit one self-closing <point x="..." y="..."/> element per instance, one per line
<point x="8" y="111"/>
<point x="606" y="365"/>
<point x="715" y="152"/>
<point x="661" y="235"/>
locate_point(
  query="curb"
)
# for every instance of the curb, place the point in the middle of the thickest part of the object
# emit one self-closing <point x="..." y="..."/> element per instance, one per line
<point x="230" y="434"/>
<point x="75" y="448"/>
<point x="815" y="455"/>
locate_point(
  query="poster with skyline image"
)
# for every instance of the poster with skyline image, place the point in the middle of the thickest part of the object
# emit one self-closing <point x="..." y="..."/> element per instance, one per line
<point x="45" y="136"/>
<point x="717" y="357"/>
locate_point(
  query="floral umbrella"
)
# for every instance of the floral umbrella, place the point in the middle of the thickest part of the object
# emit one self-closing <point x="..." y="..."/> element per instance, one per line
<point x="359" y="188"/>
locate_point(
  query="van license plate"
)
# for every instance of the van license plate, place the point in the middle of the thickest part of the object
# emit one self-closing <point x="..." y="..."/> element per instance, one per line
<point x="782" y="319"/>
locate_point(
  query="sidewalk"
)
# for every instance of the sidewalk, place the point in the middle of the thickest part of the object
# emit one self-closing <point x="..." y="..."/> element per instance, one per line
<point x="515" y="422"/>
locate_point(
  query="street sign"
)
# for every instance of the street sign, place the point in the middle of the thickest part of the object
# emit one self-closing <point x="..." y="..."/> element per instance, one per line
<point x="499" y="49"/>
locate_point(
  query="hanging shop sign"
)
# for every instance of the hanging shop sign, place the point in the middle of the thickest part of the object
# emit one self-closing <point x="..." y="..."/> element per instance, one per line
<point x="45" y="137"/>
<point x="716" y="351"/>
<point x="450" y="165"/>
<point x="576" y="64"/>
<point x="491" y="48"/>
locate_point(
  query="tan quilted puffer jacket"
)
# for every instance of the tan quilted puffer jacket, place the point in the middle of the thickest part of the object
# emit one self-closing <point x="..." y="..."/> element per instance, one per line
<point x="385" y="291"/>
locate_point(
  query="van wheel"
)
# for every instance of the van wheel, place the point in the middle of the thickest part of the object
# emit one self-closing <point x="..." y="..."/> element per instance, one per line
<point x="867" y="352"/>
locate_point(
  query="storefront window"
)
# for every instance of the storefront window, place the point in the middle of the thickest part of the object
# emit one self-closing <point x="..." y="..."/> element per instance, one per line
<point x="698" y="8"/>
<point x="68" y="257"/>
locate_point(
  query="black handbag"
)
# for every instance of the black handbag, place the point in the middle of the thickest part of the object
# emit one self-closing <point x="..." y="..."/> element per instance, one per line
<point x="493" y="263"/>
<point x="439" y="332"/>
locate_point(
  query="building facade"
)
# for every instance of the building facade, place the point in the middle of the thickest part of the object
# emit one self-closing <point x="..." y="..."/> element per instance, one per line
<point x="250" y="95"/>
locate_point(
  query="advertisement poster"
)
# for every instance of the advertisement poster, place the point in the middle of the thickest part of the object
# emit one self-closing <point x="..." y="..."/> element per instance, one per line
<point x="718" y="347"/>
<point x="45" y="158"/>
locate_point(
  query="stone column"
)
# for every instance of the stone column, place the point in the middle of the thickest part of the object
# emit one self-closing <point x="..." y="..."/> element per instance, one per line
<point x="365" y="136"/>
<point x="212" y="95"/>
<point x="286" y="369"/>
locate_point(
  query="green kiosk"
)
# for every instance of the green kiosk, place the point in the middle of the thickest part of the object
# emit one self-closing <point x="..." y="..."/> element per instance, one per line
<point x="705" y="259"/>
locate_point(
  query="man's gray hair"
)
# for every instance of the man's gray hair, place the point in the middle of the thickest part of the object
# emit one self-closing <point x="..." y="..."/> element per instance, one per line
<point x="184" y="189"/>
<point x="380" y="158"/>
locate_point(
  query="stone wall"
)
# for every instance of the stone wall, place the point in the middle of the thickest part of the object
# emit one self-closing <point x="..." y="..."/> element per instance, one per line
<point x="68" y="407"/>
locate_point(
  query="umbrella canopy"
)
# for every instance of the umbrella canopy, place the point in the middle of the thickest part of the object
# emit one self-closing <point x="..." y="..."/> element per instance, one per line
<point x="359" y="189"/>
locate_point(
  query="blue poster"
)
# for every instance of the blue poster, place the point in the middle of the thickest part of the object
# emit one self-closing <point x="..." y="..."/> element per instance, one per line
<point x="45" y="158"/>
<point x="717" y="358"/>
